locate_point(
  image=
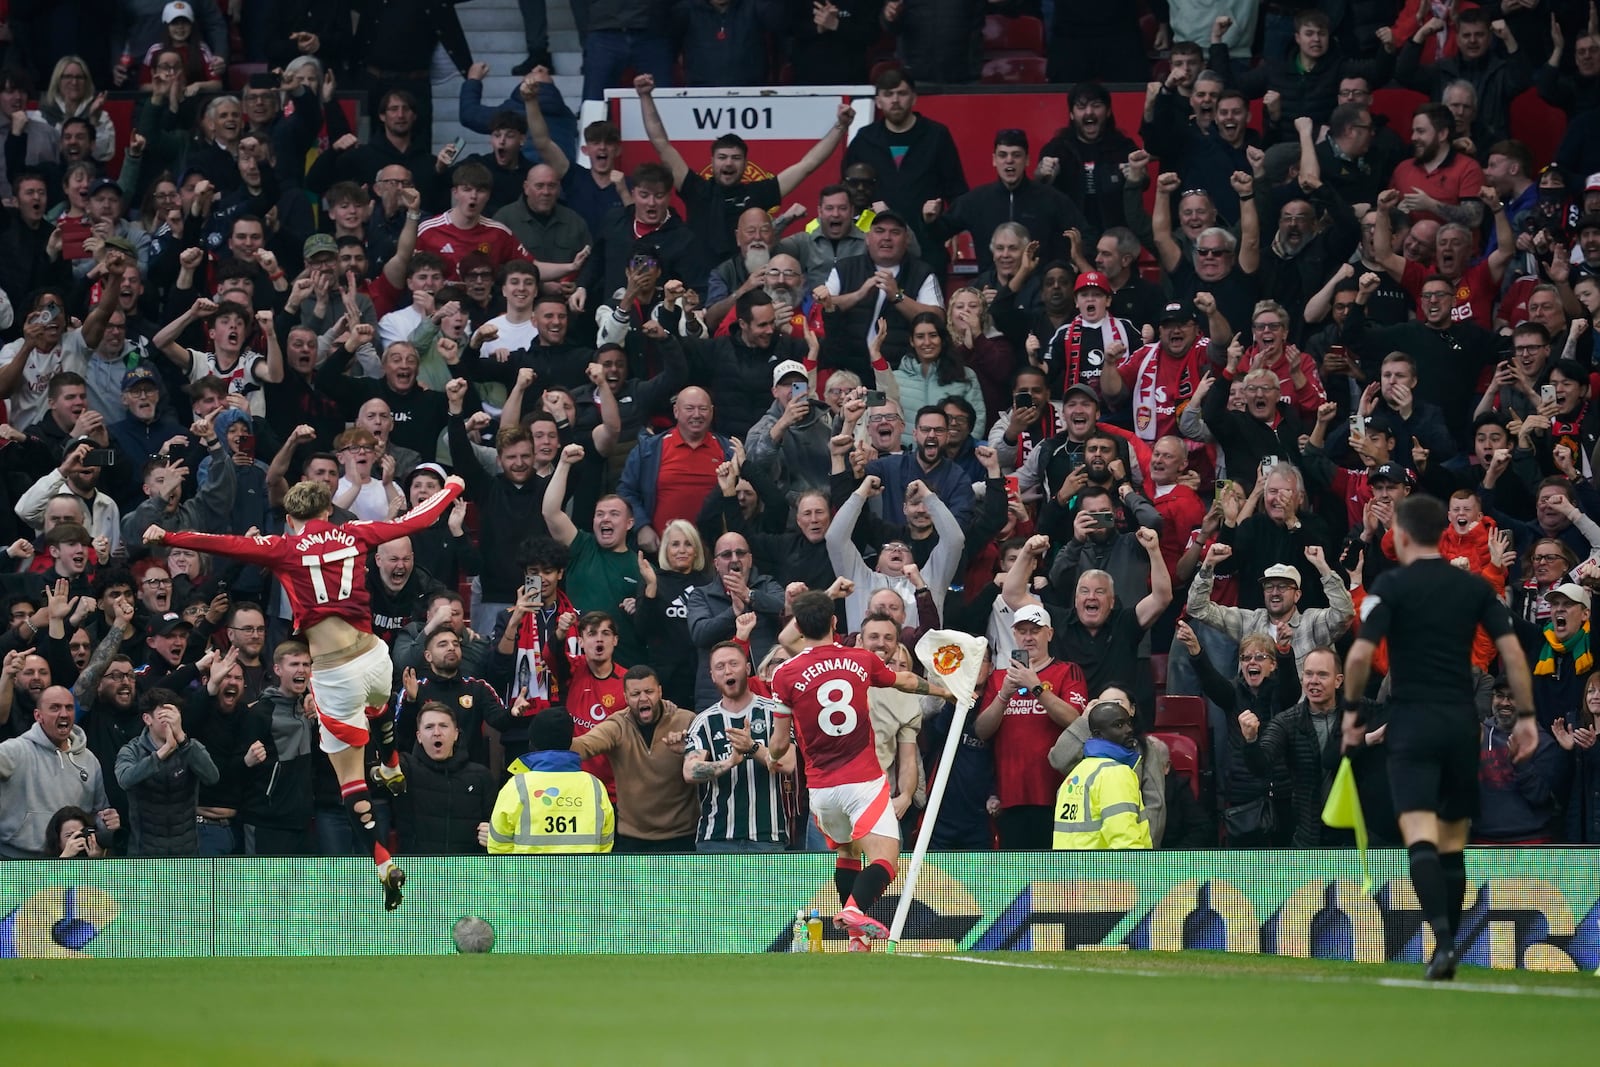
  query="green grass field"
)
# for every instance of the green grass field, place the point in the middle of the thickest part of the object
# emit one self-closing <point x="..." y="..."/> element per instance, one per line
<point x="644" y="1010"/>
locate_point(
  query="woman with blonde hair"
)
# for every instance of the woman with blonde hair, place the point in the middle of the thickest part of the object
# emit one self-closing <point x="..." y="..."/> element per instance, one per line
<point x="983" y="348"/>
<point x="662" y="611"/>
<point x="70" y="95"/>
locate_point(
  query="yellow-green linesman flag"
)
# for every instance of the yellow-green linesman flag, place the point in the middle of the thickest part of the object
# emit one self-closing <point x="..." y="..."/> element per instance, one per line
<point x="1343" y="812"/>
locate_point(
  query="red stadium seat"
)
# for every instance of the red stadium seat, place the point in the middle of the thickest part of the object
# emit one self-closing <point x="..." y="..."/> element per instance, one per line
<point x="1014" y="70"/>
<point x="1002" y="35"/>
<point x="1537" y="125"/>
<point x="1187" y="716"/>
<point x="963" y="254"/>
<point x="1148" y="25"/>
<point x="1158" y="675"/>
<point x="1185" y="758"/>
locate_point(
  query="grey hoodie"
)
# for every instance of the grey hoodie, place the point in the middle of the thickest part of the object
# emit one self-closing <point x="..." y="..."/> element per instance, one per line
<point x="37" y="780"/>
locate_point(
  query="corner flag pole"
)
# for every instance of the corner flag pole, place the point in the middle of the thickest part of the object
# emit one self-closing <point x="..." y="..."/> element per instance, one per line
<point x="941" y="778"/>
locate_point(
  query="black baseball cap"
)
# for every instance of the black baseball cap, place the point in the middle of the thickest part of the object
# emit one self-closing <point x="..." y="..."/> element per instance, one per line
<point x="168" y="624"/>
<point x="1392" y="472"/>
<point x="1179" y="311"/>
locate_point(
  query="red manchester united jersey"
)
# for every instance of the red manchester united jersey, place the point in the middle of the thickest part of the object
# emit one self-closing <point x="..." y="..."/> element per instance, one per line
<point x="323" y="568"/>
<point x="451" y="243"/>
<point x="825" y="689"/>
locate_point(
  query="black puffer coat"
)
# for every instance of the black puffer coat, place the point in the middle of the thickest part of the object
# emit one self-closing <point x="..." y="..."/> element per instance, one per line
<point x="443" y="804"/>
<point x="1290" y="740"/>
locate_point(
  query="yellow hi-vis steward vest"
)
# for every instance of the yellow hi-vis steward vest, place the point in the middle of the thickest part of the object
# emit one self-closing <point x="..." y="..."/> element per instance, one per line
<point x="1099" y="807"/>
<point x="552" y="811"/>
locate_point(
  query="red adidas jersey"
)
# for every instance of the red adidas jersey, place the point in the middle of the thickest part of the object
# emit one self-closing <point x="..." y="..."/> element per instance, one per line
<point x="825" y="688"/>
<point x="323" y="568"/>
<point x="450" y="242"/>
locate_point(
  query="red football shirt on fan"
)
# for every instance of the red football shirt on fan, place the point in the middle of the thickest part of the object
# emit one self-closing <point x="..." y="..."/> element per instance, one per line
<point x="687" y="475"/>
<point x="824" y="689"/>
<point x="1022" y="771"/>
<point x="451" y="242"/>
<point x="1159" y="386"/>
<point x="1181" y="511"/>
<point x="1475" y="292"/>
<point x="590" y="701"/>
<point x="323" y="568"/>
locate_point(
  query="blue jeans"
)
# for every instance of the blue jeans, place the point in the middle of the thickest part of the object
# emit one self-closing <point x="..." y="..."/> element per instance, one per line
<point x="607" y="53"/>
<point x="220" y="840"/>
<point x="738" y="846"/>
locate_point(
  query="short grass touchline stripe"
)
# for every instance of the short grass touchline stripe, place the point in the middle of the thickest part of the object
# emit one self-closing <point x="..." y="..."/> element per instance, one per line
<point x="1559" y="992"/>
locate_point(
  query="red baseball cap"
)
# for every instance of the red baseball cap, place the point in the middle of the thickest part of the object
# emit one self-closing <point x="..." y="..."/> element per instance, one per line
<point x="1093" y="279"/>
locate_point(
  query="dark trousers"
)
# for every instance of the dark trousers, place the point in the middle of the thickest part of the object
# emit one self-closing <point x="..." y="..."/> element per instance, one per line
<point x="1025" y="826"/>
<point x="607" y="53"/>
<point x="536" y="25"/>
<point x="640" y="845"/>
<point x="338" y="835"/>
<point x="272" y="841"/>
<point x="1117" y="57"/>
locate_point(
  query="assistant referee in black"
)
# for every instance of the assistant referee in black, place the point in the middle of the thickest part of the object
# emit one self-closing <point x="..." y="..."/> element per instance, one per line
<point x="1428" y="610"/>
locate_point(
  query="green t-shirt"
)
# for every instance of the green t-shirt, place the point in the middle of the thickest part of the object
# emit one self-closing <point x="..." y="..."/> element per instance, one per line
<point x="598" y="580"/>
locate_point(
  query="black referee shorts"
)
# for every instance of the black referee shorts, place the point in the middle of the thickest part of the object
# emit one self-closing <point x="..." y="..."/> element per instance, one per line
<point x="1433" y="761"/>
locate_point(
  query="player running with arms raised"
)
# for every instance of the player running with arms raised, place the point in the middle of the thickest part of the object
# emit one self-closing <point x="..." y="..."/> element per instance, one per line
<point x="823" y="692"/>
<point x="1429" y="611"/>
<point x="323" y="569"/>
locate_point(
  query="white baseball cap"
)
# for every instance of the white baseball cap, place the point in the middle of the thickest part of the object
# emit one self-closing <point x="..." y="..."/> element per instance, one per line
<point x="177" y="9"/>
<point x="786" y="368"/>
<point x="1281" y="571"/>
<point x="1572" y="591"/>
<point x="1033" y="613"/>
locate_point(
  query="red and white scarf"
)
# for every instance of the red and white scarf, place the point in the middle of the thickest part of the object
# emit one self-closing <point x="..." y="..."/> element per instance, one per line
<point x="1111" y="333"/>
<point x="532" y="676"/>
<point x="1161" y="381"/>
<point x="1029" y="437"/>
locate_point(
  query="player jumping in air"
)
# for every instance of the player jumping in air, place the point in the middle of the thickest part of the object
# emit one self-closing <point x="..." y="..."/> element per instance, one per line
<point x="823" y="691"/>
<point x="323" y="569"/>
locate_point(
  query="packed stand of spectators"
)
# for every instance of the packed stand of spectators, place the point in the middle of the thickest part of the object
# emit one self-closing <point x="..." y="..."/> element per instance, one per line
<point x="1151" y="449"/>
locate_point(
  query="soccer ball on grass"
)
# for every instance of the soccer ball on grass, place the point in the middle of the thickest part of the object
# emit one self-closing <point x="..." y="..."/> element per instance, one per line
<point x="473" y="934"/>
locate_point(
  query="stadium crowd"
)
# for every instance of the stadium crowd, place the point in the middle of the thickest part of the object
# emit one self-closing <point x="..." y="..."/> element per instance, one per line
<point x="1151" y="448"/>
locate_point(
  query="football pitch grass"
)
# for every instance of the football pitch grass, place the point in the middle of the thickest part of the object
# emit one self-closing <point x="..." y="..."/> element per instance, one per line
<point x="997" y="1008"/>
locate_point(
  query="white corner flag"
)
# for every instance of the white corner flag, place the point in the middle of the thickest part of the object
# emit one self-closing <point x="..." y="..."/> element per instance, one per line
<point x="954" y="659"/>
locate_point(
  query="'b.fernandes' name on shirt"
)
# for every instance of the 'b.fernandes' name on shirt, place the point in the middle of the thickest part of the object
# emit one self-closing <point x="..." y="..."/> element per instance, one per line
<point x="824" y="666"/>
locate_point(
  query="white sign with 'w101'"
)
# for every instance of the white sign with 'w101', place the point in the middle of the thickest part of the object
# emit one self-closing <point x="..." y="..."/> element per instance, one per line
<point x="785" y="114"/>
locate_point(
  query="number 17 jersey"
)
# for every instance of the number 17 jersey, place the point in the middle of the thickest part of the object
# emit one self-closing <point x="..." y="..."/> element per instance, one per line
<point x="824" y="689"/>
<point x="323" y="568"/>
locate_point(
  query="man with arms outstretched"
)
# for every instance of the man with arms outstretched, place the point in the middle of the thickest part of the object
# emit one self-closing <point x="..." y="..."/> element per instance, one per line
<point x="823" y="692"/>
<point x="324" y="573"/>
<point x="714" y="204"/>
<point x="1429" y="611"/>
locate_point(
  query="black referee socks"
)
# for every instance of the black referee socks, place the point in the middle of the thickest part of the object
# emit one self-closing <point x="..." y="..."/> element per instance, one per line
<point x="1454" y="865"/>
<point x="1428" y="879"/>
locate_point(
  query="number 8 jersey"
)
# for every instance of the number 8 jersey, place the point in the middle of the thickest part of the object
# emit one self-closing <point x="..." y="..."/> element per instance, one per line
<point x="323" y="568"/>
<point x="825" y="688"/>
